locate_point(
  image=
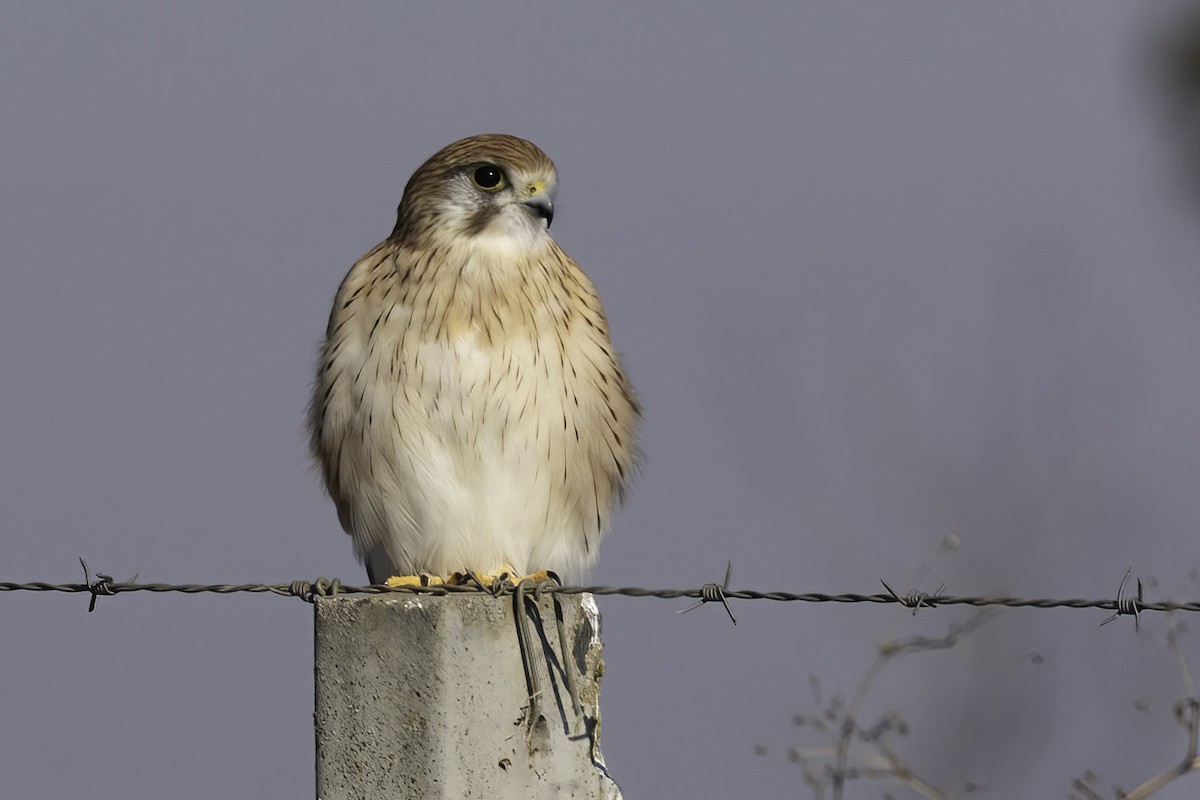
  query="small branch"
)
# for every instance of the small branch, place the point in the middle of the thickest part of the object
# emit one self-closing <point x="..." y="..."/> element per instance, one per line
<point x="904" y="773"/>
<point x="1187" y="711"/>
<point x="1085" y="790"/>
<point x="886" y="653"/>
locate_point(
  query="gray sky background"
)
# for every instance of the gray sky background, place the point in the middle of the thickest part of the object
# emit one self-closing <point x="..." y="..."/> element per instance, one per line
<point x="882" y="272"/>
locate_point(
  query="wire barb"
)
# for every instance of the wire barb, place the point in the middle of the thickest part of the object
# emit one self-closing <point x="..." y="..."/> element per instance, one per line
<point x="916" y="598"/>
<point x="1127" y="605"/>
<point x="102" y="585"/>
<point x="324" y="588"/>
<point x="714" y="593"/>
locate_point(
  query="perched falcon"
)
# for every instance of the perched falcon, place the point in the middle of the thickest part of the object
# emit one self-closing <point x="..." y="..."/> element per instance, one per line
<point x="470" y="413"/>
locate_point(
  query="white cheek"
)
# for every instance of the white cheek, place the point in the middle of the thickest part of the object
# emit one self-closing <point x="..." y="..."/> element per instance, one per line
<point x="512" y="231"/>
<point x="502" y="243"/>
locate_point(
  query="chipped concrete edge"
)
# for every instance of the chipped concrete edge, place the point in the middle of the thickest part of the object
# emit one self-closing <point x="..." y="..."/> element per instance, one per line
<point x="594" y="660"/>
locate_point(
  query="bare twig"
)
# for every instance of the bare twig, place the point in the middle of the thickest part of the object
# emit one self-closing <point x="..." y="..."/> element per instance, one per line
<point x="887" y="652"/>
<point x="1187" y="712"/>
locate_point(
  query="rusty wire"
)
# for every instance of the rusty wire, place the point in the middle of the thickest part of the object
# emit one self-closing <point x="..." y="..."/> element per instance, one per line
<point x="99" y="584"/>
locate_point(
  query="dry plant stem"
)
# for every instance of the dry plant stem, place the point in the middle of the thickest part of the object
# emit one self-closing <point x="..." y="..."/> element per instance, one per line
<point x="1185" y="673"/>
<point x="886" y="653"/>
<point x="1190" y="708"/>
<point x="1187" y="712"/>
<point x="1154" y="784"/>
<point x="851" y="721"/>
<point x="1085" y="790"/>
<point x="904" y="773"/>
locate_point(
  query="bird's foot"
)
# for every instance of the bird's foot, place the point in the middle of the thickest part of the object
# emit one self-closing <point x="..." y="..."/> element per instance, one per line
<point x="423" y="579"/>
<point x="485" y="580"/>
<point x="503" y="575"/>
<point x="543" y="575"/>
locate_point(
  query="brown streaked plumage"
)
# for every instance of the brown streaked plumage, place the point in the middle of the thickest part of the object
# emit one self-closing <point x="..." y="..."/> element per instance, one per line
<point x="470" y="412"/>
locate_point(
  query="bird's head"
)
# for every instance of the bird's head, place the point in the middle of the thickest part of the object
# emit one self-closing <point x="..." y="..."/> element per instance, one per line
<point x="490" y="186"/>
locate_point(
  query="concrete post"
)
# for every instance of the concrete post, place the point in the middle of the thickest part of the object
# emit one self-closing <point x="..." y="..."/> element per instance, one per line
<point x="422" y="696"/>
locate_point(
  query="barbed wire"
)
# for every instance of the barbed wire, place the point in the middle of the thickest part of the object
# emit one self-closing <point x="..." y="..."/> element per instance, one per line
<point x="101" y="585"/>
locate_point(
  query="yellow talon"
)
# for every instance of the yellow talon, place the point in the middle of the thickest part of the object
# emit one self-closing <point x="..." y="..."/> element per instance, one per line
<point x="472" y="577"/>
<point x="414" y="580"/>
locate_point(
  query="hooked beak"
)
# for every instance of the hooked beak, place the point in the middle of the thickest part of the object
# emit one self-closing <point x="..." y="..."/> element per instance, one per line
<point x="539" y="198"/>
<point x="542" y="206"/>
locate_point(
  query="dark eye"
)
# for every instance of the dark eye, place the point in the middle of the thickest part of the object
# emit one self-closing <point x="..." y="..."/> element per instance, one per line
<point x="488" y="177"/>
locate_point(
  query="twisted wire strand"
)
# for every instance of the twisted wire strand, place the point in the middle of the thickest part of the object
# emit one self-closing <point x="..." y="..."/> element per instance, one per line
<point x="308" y="591"/>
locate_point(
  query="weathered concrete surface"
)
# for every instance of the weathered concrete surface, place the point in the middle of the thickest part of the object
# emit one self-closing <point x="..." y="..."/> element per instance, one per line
<point x="420" y="696"/>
